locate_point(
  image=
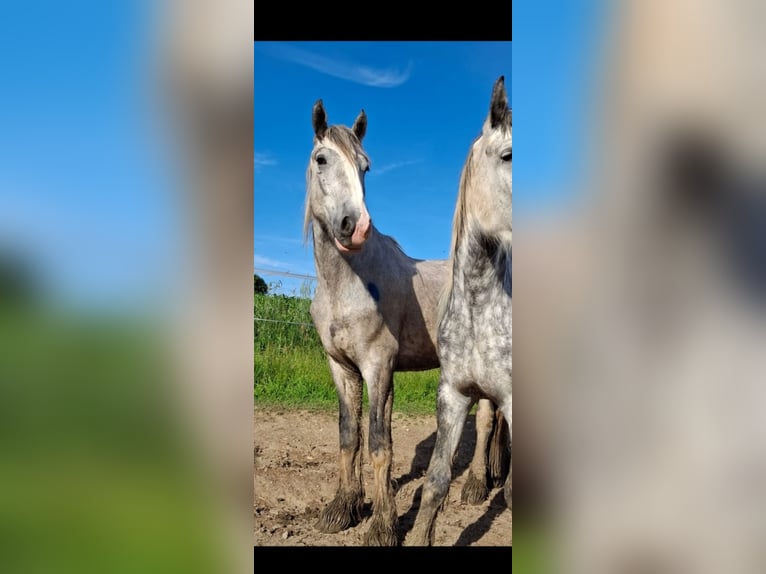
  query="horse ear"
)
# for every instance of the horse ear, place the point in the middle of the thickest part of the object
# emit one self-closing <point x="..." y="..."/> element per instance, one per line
<point x="360" y="125"/>
<point x="319" y="119"/>
<point x="498" y="107"/>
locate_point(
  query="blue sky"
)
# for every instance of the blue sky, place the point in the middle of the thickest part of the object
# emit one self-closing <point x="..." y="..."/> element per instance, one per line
<point x="425" y="103"/>
<point x="86" y="176"/>
<point x="83" y="176"/>
<point x="556" y="66"/>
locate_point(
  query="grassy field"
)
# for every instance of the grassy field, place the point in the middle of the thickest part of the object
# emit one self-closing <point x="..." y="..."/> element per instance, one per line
<point x="97" y="471"/>
<point x="291" y="368"/>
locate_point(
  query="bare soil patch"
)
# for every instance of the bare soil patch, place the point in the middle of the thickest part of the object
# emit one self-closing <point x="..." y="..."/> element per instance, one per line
<point x="295" y="473"/>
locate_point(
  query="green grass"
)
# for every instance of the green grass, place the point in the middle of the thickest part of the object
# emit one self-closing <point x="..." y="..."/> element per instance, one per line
<point x="534" y="548"/>
<point x="98" y="471"/>
<point x="290" y="365"/>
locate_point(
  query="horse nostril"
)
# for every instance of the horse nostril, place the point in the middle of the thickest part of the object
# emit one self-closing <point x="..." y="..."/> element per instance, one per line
<point x="347" y="226"/>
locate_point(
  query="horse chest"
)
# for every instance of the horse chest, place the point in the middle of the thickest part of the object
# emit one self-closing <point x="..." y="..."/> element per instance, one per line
<point x="475" y="342"/>
<point x="347" y="326"/>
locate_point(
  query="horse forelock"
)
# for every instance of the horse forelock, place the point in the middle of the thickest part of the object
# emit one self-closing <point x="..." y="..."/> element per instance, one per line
<point x="348" y="144"/>
<point x="346" y="141"/>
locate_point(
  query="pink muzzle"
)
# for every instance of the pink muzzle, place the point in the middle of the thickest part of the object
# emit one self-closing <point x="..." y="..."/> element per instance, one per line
<point x="360" y="235"/>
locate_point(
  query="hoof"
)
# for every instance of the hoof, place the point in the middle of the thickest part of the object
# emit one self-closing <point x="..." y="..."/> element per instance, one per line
<point x="474" y="491"/>
<point x="342" y="512"/>
<point x="381" y="533"/>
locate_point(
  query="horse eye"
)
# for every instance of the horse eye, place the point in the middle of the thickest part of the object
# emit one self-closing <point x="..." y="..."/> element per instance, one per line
<point x="321" y="160"/>
<point x="506" y="155"/>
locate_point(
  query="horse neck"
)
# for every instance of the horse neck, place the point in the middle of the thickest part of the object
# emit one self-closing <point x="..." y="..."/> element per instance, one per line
<point x="334" y="269"/>
<point x="481" y="267"/>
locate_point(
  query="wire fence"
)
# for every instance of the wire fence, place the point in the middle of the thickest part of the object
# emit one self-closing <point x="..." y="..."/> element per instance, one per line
<point x="283" y="322"/>
<point x="287" y="303"/>
<point x="283" y="273"/>
<point x="287" y="283"/>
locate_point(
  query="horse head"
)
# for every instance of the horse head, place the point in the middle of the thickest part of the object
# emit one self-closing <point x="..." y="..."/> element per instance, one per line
<point x="335" y="181"/>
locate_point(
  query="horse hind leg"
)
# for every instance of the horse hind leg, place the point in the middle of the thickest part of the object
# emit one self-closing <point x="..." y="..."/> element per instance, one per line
<point x="475" y="490"/>
<point x="452" y="410"/>
<point x="505" y="419"/>
<point x="499" y="451"/>
<point x="345" y="509"/>
<point x="508" y="490"/>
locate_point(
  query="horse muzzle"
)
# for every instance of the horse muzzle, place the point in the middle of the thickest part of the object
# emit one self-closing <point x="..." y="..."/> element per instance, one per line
<point x="352" y="242"/>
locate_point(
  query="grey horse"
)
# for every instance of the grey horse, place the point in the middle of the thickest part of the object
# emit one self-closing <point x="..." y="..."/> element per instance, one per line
<point x="475" y="325"/>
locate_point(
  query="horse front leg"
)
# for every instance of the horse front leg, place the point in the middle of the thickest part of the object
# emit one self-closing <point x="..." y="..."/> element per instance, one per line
<point x="380" y="390"/>
<point x="451" y="411"/>
<point x="345" y="510"/>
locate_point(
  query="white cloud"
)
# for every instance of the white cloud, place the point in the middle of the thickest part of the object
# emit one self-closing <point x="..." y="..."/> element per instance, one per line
<point x="343" y="69"/>
<point x="261" y="160"/>
<point x="260" y="238"/>
<point x="392" y="166"/>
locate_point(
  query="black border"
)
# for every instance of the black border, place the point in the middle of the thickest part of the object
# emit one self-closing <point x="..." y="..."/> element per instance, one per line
<point x="376" y="20"/>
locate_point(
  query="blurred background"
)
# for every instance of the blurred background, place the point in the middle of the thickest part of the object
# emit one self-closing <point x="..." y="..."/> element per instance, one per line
<point x="640" y="265"/>
<point x="126" y="206"/>
<point x="125" y="286"/>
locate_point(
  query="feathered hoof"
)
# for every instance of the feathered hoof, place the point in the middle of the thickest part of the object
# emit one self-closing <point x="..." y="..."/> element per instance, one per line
<point x="474" y="491"/>
<point x="342" y="512"/>
<point x="381" y="533"/>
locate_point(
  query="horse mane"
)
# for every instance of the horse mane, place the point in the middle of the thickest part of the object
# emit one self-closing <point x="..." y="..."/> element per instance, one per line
<point x="458" y="227"/>
<point x="459" y="221"/>
<point x="393" y="242"/>
<point x="347" y="142"/>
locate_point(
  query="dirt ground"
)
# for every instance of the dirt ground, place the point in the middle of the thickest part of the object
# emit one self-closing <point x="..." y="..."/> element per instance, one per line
<point x="296" y="473"/>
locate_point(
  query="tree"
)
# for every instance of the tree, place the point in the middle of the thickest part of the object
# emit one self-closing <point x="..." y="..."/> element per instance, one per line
<point x="259" y="285"/>
<point x="18" y="284"/>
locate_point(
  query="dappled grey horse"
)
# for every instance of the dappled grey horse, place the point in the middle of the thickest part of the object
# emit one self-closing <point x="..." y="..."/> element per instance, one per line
<point x="475" y="325"/>
<point x="375" y="310"/>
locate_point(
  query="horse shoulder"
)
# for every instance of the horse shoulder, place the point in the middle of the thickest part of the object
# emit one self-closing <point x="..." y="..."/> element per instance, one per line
<point x="348" y="321"/>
